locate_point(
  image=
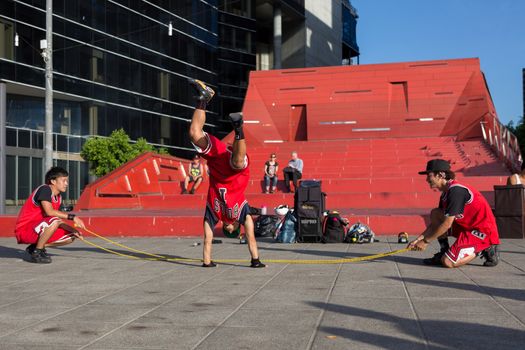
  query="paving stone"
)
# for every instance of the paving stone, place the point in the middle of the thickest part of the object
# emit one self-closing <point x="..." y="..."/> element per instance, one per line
<point x="91" y="299"/>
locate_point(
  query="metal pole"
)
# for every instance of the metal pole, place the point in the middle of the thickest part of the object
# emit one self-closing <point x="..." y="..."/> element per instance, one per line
<point x="3" y="116"/>
<point x="48" y="58"/>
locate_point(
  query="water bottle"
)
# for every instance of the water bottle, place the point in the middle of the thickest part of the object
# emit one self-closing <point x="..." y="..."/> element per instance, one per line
<point x="263" y="210"/>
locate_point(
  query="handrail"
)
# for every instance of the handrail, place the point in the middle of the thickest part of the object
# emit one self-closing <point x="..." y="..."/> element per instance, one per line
<point x="469" y="126"/>
<point x="503" y="142"/>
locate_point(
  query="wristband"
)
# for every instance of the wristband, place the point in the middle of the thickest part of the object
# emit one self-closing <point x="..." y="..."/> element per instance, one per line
<point x="425" y="240"/>
<point x="70" y="216"/>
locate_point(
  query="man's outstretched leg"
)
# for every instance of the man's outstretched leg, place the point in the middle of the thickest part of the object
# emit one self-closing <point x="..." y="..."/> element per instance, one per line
<point x="197" y="137"/>
<point x="252" y="243"/>
<point x="239" y="143"/>
<point x="204" y="96"/>
<point x="206" y="247"/>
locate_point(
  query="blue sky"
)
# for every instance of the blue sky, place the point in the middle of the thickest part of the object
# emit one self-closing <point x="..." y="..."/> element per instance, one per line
<point x="414" y="30"/>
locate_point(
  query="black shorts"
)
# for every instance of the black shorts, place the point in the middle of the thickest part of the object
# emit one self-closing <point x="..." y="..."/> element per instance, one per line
<point x="194" y="179"/>
<point x="209" y="215"/>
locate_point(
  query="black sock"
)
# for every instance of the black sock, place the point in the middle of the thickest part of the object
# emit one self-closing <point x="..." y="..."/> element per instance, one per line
<point x="200" y="105"/>
<point x="239" y="133"/>
<point x="443" y="243"/>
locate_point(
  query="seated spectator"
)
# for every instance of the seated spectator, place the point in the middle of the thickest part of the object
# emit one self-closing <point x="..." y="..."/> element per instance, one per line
<point x="195" y="174"/>
<point x="293" y="172"/>
<point x="271" y="167"/>
<point x="517" y="179"/>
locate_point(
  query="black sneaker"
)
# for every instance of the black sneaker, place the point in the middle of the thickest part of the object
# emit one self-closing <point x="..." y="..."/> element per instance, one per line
<point x="211" y="264"/>
<point x="205" y="92"/>
<point x="242" y="240"/>
<point x="31" y="248"/>
<point x="236" y="119"/>
<point x="435" y="260"/>
<point x="39" y="256"/>
<point x="491" y="256"/>
<point x="256" y="263"/>
<point x="192" y="191"/>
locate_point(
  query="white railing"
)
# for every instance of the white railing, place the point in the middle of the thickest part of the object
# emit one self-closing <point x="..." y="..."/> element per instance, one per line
<point x="502" y="141"/>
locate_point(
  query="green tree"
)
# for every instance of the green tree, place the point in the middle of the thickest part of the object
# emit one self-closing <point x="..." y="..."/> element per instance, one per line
<point x="105" y="154"/>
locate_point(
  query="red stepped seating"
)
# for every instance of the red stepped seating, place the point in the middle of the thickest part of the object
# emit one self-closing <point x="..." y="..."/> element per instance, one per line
<point x="365" y="131"/>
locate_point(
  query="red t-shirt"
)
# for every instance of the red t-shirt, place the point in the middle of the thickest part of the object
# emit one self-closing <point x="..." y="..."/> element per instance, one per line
<point x="476" y="214"/>
<point x="32" y="212"/>
<point x="227" y="185"/>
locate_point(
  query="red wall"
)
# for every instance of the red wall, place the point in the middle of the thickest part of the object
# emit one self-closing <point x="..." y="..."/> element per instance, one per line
<point x="392" y="96"/>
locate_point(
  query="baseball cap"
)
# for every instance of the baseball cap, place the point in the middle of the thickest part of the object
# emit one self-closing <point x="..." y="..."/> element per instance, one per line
<point x="435" y="166"/>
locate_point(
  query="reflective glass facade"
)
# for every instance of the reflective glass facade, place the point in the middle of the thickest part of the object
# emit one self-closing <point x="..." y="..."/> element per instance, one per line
<point x="125" y="64"/>
<point x="117" y="64"/>
<point x="236" y="54"/>
<point x="349" y="22"/>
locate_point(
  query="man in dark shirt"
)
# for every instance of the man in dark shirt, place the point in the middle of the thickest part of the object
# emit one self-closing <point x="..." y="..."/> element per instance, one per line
<point x="462" y="213"/>
<point x="41" y="222"/>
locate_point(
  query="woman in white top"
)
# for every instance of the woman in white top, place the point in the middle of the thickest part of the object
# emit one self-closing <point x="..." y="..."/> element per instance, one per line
<point x="517" y="179"/>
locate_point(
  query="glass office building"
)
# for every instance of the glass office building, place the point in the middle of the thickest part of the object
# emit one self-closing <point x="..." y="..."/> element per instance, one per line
<point x="126" y="63"/>
<point x="350" y="49"/>
<point x="236" y="53"/>
<point x="116" y="64"/>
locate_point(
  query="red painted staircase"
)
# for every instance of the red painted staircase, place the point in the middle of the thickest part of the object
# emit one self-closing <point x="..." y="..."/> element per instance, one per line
<point x="373" y="181"/>
<point x="364" y="131"/>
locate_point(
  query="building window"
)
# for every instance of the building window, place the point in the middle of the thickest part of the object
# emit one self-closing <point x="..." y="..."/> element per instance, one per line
<point x="10" y="180"/>
<point x="6" y="40"/>
<point x="236" y="39"/>
<point x="97" y="66"/>
<point x="240" y="8"/>
<point x="36" y="172"/>
<point x="164" y="85"/>
<point x="24" y="178"/>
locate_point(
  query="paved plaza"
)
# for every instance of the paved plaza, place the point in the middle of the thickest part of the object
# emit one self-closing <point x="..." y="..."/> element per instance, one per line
<point x="90" y="299"/>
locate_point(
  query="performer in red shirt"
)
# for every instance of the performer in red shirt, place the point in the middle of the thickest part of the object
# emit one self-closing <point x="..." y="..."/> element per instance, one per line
<point x="40" y="224"/>
<point x="462" y="213"/>
<point x="229" y="175"/>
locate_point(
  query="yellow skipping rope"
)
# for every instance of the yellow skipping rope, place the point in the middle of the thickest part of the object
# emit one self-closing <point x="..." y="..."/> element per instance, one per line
<point x="155" y="257"/>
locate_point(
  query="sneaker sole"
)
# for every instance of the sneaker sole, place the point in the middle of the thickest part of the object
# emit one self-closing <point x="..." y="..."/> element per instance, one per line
<point x="205" y="91"/>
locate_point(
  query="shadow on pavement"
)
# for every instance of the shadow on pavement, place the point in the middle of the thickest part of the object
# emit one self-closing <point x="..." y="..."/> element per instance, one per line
<point x="507" y="293"/>
<point x="13" y="253"/>
<point x="441" y="334"/>
<point x="142" y="257"/>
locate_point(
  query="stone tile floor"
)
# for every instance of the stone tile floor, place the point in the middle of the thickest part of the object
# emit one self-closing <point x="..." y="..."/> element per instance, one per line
<point x="90" y="299"/>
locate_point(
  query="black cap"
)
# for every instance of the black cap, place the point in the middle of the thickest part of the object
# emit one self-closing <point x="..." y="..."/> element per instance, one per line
<point x="435" y="166"/>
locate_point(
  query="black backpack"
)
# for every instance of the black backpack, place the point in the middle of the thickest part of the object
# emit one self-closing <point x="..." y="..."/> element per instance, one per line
<point x="266" y="225"/>
<point x="334" y="228"/>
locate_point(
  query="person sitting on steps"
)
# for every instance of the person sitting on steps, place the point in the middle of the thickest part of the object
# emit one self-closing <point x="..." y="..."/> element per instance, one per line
<point x="271" y="167"/>
<point x="293" y="172"/>
<point x="517" y="179"/>
<point x="195" y="174"/>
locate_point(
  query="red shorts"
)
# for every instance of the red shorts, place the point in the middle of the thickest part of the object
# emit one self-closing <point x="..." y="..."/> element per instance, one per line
<point x="30" y="234"/>
<point x="467" y="243"/>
